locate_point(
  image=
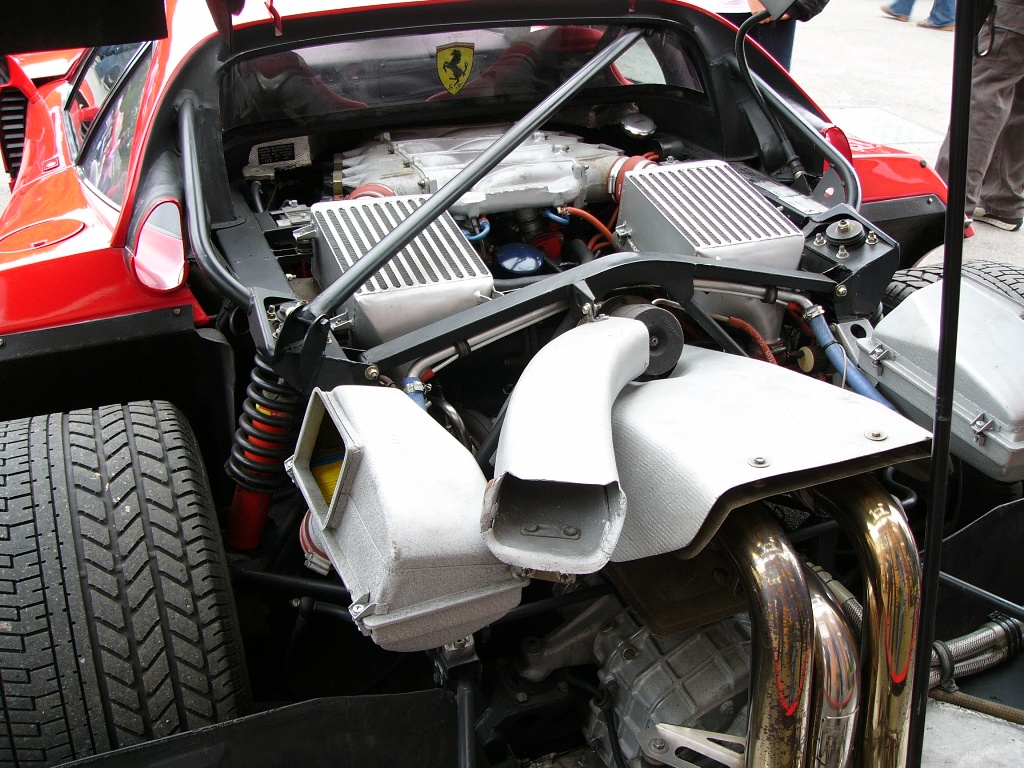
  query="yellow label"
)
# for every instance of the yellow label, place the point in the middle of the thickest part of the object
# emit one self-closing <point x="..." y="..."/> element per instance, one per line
<point x="454" y="63"/>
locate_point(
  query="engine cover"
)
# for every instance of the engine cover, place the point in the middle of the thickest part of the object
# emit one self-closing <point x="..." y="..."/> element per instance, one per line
<point x="548" y="169"/>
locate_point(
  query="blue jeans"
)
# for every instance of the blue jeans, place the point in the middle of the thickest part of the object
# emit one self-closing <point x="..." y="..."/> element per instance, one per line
<point x="943" y="11"/>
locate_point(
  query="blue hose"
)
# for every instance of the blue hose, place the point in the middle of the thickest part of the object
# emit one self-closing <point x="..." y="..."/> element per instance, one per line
<point x="485" y="230"/>
<point x="837" y="356"/>
<point x="550" y="214"/>
<point x="413" y="387"/>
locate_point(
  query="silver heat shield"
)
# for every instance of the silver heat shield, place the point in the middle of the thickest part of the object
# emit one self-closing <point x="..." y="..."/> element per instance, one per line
<point x="705" y="208"/>
<point x="437" y="275"/>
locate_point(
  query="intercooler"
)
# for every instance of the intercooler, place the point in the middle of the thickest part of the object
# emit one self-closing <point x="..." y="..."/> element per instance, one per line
<point x="434" y="276"/>
<point x="705" y="208"/>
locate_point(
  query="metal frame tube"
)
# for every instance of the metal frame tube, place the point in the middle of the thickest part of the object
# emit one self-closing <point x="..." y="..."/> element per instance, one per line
<point x="207" y="254"/>
<point x="885" y="547"/>
<point x="346" y="286"/>
<point x="783" y="635"/>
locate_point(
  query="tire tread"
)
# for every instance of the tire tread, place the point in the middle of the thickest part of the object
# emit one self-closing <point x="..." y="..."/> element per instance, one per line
<point x="118" y="502"/>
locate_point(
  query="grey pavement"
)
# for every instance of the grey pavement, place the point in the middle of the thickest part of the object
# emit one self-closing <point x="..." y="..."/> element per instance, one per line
<point x="891" y="82"/>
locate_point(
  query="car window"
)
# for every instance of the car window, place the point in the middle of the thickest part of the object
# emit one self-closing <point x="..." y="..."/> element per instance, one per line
<point x="498" y="64"/>
<point x="105" y="159"/>
<point x="101" y="74"/>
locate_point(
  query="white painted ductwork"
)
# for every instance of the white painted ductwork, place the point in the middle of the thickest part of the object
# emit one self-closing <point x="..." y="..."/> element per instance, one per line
<point x="555" y="504"/>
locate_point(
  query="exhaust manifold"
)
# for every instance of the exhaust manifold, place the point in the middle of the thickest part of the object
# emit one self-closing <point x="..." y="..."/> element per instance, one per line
<point x="812" y="702"/>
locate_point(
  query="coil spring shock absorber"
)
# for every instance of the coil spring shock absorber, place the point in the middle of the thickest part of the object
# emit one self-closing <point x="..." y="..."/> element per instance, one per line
<point x="266" y="434"/>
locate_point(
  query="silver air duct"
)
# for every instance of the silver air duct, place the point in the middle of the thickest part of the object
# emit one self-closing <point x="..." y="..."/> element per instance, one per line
<point x="555" y="504"/>
<point x="395" y="503"/>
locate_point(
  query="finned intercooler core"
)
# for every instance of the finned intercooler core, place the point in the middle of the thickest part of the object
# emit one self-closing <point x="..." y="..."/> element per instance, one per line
<point x="705" y="208"/>
<point x="434" y="276"/>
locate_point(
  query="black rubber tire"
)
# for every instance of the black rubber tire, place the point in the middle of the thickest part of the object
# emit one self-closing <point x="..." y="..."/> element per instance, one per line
<point x="117" y="623"/>
<point x="1006" y="279"/>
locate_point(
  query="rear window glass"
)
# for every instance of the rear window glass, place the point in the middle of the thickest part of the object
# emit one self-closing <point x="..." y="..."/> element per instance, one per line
<point x="494" y="63"/>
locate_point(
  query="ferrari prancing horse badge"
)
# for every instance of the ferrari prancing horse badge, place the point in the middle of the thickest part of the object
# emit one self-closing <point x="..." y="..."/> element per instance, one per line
<point x="454" y="63"/>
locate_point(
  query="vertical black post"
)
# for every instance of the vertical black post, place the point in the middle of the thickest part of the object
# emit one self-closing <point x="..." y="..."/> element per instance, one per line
<point x="959" y="123"/>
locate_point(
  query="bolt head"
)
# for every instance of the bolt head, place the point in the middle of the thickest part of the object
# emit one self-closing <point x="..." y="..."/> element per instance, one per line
<point x="658" y="745"/>
<point x="521" y="697"/>
<point x="372" y="372"/>
<point x="841" y="291"/>
<point x="570" y="530"/>
<point x="531" y="527"/>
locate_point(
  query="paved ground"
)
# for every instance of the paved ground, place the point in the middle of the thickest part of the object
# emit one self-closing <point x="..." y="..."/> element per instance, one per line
<point x="889" y="81"/>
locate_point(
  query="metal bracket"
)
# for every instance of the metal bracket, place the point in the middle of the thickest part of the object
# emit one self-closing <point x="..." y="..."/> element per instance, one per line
<point x="582" y="303"/>
<point x="361" y="608"/>
<point x="880" y="353"/>
<point x="663" y="741"/>
<point x="982" y="424"/>
<point x="452" y="656"/>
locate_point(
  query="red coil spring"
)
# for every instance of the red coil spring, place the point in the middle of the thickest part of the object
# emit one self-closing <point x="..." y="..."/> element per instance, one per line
<point x="266" y="434"/>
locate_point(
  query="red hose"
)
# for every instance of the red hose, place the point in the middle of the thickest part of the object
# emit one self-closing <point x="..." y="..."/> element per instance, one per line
<point x="593" y="220"/>
<point x="748" y="329"/>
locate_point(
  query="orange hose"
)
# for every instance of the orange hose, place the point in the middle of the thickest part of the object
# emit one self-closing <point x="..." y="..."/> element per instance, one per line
<point x="748" y="329"/>
<point x="652" y="156"/>
<point x="593" y="220"/>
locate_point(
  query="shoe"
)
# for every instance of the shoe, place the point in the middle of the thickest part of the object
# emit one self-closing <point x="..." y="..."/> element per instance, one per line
<point x="893" y="15"/>
<point x="929" y="24"/>
<point x="1009" y="223"/>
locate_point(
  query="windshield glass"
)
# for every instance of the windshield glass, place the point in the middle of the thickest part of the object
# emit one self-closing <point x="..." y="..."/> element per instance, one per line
<point x="507" y="63"/>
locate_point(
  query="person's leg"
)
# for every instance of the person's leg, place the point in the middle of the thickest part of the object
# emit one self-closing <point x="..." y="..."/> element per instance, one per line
<point x="943" y="13"/>
<point x="776" y="37"/>
<point x="900" y="8"/>
<point x="993" y="83"/>
<point x="1002" y="190"/>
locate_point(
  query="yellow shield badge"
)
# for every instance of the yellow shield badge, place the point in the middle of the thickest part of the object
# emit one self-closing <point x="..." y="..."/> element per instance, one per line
<point x="454" y="63"/>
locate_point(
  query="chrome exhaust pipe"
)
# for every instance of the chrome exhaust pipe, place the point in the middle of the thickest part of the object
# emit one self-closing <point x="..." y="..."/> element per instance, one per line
<point x="836" y="681"/>
<point x="885" y="548"/>
<point x="783" y="635"/>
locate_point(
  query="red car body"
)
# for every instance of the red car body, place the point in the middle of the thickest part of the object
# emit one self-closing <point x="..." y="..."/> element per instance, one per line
<point x="62" y="247"/>
<point x="166" y="282"/>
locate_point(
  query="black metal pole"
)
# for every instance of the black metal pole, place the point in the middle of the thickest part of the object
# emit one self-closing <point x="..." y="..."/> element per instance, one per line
<point x="959" y="128"/>
<point x="345" y="287"/>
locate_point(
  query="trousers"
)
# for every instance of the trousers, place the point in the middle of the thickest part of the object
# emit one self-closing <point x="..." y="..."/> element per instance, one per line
<point x="995" y="155"/>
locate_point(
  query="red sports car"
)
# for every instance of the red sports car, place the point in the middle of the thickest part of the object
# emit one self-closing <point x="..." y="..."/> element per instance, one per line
<point x="537" y="362"/>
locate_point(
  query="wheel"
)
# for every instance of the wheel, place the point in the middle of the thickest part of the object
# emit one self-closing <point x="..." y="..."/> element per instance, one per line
<point x="117" y="623"/>
<point x="1006" y="279"/>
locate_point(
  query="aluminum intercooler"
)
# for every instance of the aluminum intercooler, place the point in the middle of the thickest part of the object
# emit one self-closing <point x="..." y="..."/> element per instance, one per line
<point x="434" y="276"/>
<point x="705" y="208"/>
